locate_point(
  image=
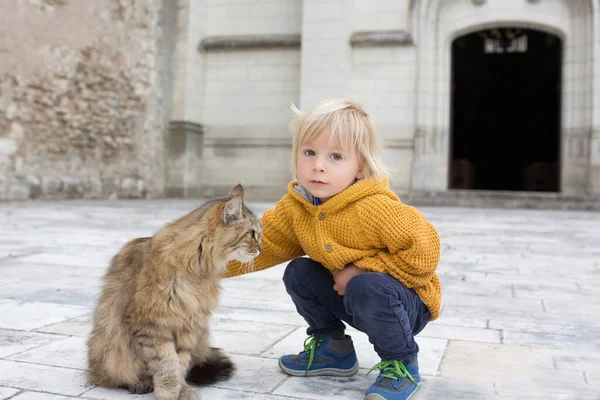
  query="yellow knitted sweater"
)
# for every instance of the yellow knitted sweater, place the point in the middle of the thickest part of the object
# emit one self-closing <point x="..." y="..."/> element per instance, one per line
<point x="365" y="224"/>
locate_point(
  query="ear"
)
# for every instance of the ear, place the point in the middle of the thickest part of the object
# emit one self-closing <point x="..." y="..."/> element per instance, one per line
<point x="237" y="191"/>
<point x="361" y="168"/>
<point x="360" y="174"/>
<point x="232" y="209"/>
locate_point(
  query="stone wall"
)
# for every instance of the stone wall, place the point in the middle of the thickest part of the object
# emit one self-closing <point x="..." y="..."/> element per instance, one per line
<point x="236" y="71"/>
<point x="81" y="99"/>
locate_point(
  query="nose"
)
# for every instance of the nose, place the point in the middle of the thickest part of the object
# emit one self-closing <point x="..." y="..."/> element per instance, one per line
<point x="260" y="247"/>
<point x="318" y="165"/>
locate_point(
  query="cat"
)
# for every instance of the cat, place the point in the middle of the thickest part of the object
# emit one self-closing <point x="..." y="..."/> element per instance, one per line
<point x="150" y="327"/>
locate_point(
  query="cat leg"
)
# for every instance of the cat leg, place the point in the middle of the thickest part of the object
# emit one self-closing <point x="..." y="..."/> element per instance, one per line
<point x="163" y="365"/>
<point x="187" y="393"/>
<point x="185" y="343"/>
<point x="210" y="364"/>
<point x="144" y="385"/>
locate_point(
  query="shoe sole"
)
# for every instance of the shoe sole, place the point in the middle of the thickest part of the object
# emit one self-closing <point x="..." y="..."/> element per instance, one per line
<point x="322" y="372"/>
<point x="375" y="396"/>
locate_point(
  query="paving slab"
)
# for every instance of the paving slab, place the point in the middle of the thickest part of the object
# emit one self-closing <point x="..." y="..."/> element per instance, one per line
<point x="56" y="380"/>
<point x="519" y="318"/>
<point x="80" y="326"/>
<point x="24" y="315"/>
<point x="39" y="396"/>
<point x="70" y="352"/>
<point x="6" y="393"/>
<point x="14" y="342"/>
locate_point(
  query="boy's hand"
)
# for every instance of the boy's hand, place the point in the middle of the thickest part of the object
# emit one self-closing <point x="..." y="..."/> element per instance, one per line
<point x="342" y="276"/>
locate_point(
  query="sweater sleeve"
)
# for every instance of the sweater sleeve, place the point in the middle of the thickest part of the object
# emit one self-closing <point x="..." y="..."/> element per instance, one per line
<point x="410" y="245"/>
<point x="279" y="241"/>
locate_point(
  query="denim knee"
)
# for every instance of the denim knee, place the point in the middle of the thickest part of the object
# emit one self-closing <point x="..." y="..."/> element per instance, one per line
<point x="298" y="271"/>
<point x="292" y="269"/>
<point x="362" y="287"/>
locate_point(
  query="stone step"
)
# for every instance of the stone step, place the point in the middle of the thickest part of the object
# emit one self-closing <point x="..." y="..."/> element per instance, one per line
<point x="504" y="199"/>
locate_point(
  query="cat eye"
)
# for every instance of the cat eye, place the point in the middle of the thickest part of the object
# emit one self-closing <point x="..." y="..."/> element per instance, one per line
<point x="253" y="234"/>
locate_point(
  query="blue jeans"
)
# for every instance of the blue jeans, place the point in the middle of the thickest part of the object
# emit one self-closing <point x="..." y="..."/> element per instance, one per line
<point x="376" y="304"/>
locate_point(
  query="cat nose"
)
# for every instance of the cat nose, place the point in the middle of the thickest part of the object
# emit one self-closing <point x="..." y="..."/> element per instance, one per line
<point x="260" y="247"/>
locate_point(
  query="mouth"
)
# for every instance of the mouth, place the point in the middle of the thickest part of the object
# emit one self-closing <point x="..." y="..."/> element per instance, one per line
<point x="318" y="182"/>
<point x="250" y="256"/>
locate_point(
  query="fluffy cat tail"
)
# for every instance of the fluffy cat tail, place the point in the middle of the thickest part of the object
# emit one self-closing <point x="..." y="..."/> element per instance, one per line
<point x="216" y="368"/>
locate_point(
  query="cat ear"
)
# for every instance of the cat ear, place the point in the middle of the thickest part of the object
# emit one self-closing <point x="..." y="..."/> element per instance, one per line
<point x="237" y="191"/>
<point x="232" y="210"/>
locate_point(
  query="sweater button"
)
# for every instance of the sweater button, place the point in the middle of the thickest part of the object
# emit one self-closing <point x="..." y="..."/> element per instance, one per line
<point x="328" y="248"/>
<point x="321" y="217"/>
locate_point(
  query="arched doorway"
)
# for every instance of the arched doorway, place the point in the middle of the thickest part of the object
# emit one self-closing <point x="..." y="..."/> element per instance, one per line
<point x="505" y="110"/>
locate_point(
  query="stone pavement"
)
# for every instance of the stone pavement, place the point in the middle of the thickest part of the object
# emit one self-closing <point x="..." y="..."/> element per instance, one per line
<point x="520" y="318"/>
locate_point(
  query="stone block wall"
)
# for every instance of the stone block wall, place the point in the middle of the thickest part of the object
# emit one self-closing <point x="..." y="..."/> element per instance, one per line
<point x="81" y="106"/>
<point x="242" y="71"/>
<point x="246" y="116"/>
<point x="258" y="17"/>
<point x="383" y="80"/>
<point x="363" y="51"/>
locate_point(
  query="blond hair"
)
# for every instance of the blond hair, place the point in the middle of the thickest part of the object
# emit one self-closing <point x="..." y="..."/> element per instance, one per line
<point x="349" y="124"/>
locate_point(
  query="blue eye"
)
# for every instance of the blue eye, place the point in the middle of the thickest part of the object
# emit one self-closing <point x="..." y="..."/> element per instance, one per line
<point x="309" y="153"/>
<point x="336" y="156"/>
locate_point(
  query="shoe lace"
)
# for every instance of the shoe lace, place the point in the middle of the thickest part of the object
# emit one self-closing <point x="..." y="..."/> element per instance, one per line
<point x="394" y="369"/>
<point x="310" y="345"/>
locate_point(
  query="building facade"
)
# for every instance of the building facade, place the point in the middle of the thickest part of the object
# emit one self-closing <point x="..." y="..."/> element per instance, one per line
<point x="466" y="94"/>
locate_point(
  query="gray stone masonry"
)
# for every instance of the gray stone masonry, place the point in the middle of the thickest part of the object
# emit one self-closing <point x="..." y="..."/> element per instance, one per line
<point x="520" y="315"/>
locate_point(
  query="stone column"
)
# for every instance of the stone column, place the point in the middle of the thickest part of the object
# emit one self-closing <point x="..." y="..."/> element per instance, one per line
<point x="594" y="167"/>
<point x="185" y="149"/>
<point x="575" y="159"/>
<point x="431" y="154"/>
<point x="430" y="166"/>
<point x="184" y="138"/>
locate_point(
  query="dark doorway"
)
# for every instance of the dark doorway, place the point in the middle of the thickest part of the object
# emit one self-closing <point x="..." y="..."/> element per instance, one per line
<point x="505" y="110"/>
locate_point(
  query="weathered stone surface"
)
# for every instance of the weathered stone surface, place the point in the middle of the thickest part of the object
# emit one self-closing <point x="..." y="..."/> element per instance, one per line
<point x="5" y="393"/>
<point x="13" y="342"/>
<point x="68" y="352"/>
<point x="29" y="315"/>
<point x="81" y="326"/>
<point x="381" y="38"/>
<point x="249" y="41"/>
<point x="42" y="378"/>
<point x="40" y="396"/>
<point x="80" y="114"/>
<point x="99" y="393"/>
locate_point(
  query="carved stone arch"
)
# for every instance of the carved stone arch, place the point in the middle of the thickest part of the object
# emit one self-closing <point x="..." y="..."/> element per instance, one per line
<point x="435" y="23"/>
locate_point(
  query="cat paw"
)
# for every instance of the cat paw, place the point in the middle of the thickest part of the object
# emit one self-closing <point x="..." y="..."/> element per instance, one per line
<point x="140" y="389"/>
<point x="187" y="393"/>
<point x="144" y="386"/>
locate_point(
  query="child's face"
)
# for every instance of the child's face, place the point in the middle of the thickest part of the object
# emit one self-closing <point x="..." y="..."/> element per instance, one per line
<point x="324" y="169"/>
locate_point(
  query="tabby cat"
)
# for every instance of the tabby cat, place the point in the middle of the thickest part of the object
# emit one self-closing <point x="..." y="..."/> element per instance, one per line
<point x="151" y="323"/>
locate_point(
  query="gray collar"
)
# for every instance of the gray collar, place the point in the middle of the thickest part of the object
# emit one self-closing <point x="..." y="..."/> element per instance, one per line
<point x="301" y="190"/>
<point x="304" y="193"/>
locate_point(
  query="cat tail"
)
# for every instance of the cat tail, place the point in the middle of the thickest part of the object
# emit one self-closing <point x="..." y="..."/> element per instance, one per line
<point x="216" y="368"/>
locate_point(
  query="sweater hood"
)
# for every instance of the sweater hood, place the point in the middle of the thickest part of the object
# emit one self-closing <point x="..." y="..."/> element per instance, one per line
<point x="357" y="191"/>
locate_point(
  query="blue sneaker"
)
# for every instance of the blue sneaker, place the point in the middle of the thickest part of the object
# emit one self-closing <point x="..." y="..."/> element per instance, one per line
<point x="396" y="381"/>
<point x="322" y="356"/>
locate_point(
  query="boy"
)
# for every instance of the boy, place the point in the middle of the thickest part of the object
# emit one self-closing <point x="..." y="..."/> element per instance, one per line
<point x="372" y="259"/>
